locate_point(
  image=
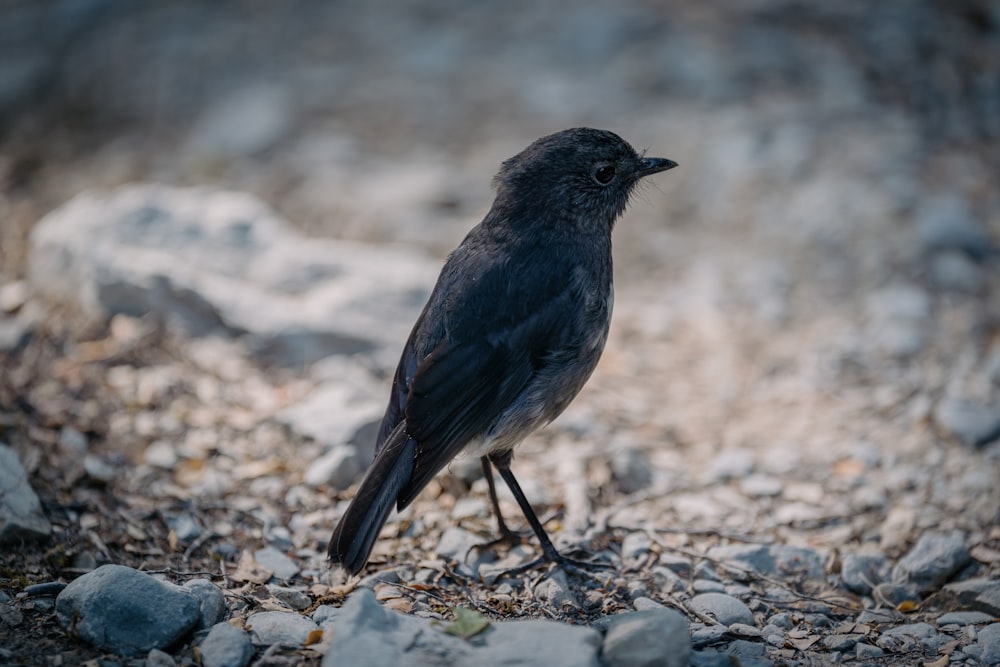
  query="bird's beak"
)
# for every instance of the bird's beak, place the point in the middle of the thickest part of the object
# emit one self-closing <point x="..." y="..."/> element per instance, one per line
<point x="652" y="165"/>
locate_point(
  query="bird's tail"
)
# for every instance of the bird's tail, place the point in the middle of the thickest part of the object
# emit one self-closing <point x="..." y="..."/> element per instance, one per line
<point x="354" y="536"/>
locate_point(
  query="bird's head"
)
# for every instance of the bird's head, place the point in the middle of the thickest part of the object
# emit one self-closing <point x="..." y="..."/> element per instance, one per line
<point x="584" y="174"/>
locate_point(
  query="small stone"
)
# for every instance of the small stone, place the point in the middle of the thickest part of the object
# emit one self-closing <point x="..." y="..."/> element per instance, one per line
<point x="290" y="597"/>
<point x="863" y="651"/>
<point x="978" y="594"/>
<point x="124" y="611"/>
<point x="861" y="571"/>
<point x="98" y="469"/>
<point x="896" y="594"/>
<point x="705" y="636"/>
<point x="965" y="618"/>
<point x="185" y="527"/>
<point x="212" y="601"/>
<point x="708" y="586"/>
<point x="280" y="627"/>
<point x="161" y="454"/>
<point x="71" y="441"/>
<point x="338" y="468"/>
<point x="21" y="516"/>
<point x="157" y="658"/>
<point x="933" y="560"/>
<point x="841" y="643"/>
<point x="907" y="637"/>
<point x="744" y="630"/>
<point x="631" y="470"/>
<point x="325" y="614"/>
<point x="641" y="603"/>
<point x="987" y="646"/>
<point x="723" y="608"/>
<point x="654" y="638"/>
<point x="680" y="565"/>
<point x="13" y="296"/>
<point x="555" y="590"/>
<point x="226" y="646"/>
<point x="731" y="464"/>
<point x="635" y="546"/>
<point x="468" y="507"/>
<point x="761" y="486"/>
<point x="972" y="423"/>
<point x="282" y="566"/>
<point x="774" y="559"/>
<point x="456" y="543"/>
<point x="781" y="620"/>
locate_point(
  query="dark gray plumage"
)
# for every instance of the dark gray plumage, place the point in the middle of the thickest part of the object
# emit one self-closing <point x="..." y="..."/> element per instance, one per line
<point x="510" y="334"/>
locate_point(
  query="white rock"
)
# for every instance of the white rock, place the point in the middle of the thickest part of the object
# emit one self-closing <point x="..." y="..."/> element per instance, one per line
<point x="211" y="261"/>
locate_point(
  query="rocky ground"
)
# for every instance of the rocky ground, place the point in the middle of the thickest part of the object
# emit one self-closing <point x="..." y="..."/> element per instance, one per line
<point x="788" y="454"/>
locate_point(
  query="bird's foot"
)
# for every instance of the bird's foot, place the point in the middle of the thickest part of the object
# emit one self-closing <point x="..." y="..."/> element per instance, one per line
<point x="569" y="565"/>
<point x="507" y="538"/>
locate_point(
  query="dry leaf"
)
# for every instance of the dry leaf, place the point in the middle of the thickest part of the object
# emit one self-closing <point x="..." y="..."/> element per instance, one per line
<point x="906" y="606"/>
<point x="314" y="637"/>
<point x="250" y="570"/>
<point x="940" y="662"/>
<point x="803" y="644"/>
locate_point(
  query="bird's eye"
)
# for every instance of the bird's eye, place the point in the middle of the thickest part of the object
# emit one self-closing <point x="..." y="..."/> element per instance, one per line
<point x="604" y="174"/>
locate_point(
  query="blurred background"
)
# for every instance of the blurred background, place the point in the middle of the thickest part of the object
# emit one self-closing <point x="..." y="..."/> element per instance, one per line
<point x="809" y="300"/>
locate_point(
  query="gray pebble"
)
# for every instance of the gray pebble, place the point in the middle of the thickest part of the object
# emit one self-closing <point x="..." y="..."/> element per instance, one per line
<point x="290" y="597"/>
<point x="861" y="571"/>
<point x="708" y="586"/>
<point x="761" y="486"/>
<point x="972" y="423"/>
<point x="646" y="604"/>
<point x="896" y="594"/>
<point x="978" y="594"/>
<point x="325" y="614"/>
<point x="731" y="464"/>
<point x="282" y="566"/>
<point x="724" y="608"/>
<point x="744" y="630"/>
<point x="841" y="643"/>
<point x="124" y="611"/>
<point x="338" y="468"/>
<point x="865" y="651"/>
<point x="555" y="590"/>
<point x="212" y="601"/>
<point x="456" y="542"/>
<point x="226" y="646"/>
<point x="635" y="546"/>
<point x="933" y="560"/>
<point x="630" y="469"/>
<point x="679" y="565"/>
<point x="706" y="635"/>
<point x="647" y="638"/>
<point x="965" y="618"/>
<point x="781" y="620"/>
<point x="367" y="634"/>
<point x="157" y="658"/>
<point x="906" y="637"/>
<point x="987" y="646"/>
<point x="185" y="527"/>
<point x="280" y="627"/>
<point x="772" y="559"/>
<point x="21" y="515"/>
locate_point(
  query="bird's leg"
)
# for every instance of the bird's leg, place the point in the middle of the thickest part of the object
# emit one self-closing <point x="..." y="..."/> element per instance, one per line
<point x="550" y="554"/>
<point x="507" y="536"/>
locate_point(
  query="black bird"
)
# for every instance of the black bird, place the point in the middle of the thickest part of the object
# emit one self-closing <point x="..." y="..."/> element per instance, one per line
<point x="510" y="334"/>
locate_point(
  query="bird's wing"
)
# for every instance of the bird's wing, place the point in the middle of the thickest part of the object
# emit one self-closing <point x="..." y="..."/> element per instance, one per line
<point x="484" y="362"/>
